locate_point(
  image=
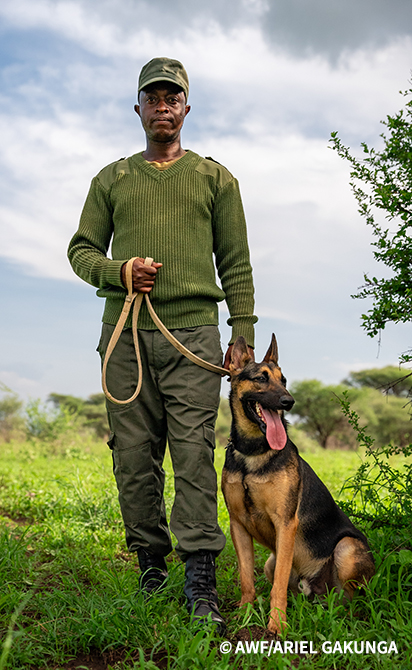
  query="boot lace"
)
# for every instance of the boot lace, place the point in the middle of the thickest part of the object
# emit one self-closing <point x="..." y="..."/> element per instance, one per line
<point x="203" y="573"/>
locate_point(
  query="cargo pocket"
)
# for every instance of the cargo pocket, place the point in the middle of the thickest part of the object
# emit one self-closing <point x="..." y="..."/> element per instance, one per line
<point x="208" y="468"/>
<point x="110" y="444"/>
<point x="195" y="480"/>
<point x="133" y="470"/>
<point x="209" y="435"/>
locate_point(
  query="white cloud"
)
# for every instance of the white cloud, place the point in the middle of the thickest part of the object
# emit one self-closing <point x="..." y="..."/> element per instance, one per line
<point x="68" y="19"/>
<point x="266" y="114"/>
<point x="299" y="207"/>
<point x="297" y="26"/>
<point x="294" y="190"/>
<point x="27" y="388"/>
<point x="263" y="109"/>
<point x="331" y="27"/>
<point x="48" y="164"/>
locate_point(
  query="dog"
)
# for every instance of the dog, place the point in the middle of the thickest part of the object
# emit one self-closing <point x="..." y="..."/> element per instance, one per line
<point x="274" y="497"/>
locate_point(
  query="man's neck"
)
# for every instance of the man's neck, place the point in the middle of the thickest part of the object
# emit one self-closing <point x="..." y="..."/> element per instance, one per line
<point x="162" y="151"/>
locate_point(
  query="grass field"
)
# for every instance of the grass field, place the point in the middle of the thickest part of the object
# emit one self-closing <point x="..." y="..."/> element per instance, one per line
<point x="69" y="596"/>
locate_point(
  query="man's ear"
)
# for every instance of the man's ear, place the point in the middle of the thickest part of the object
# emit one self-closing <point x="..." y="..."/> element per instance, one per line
<point x="240" y="355"/>
<point x="187" y="109"/>
<point x="137" y="109"/>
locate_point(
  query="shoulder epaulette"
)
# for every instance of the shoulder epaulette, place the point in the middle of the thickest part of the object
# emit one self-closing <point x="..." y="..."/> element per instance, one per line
<point x="113" y="172"/>
<point x="209" y="158"/>
<point x="208" y="166"/>
<point x="122" y="167"/>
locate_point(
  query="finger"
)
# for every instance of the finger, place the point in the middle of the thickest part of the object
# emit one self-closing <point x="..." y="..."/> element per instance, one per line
<point x="144" y="276"/>
<point x="144" y="289"/>
<point x="149" y="269"/>
<point x="140" y="262"/>
<point x="143" y="282"/>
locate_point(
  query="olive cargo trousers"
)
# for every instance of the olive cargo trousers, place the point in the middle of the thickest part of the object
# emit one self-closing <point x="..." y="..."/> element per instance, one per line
<point x="177" y="405"/>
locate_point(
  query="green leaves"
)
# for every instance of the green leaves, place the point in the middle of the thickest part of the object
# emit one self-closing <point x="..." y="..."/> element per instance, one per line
<point x="381" y="491"/>
<point x="382" y="184"/>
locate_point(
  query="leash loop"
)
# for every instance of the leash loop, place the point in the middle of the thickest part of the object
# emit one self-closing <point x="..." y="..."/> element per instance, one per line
<point x="135" y="300"/>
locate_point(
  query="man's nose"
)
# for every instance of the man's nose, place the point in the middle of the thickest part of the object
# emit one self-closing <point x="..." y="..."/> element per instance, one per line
<point x="161" y="106"/>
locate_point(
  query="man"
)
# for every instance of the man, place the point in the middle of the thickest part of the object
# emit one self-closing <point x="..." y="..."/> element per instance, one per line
<point x="180" y="209"/>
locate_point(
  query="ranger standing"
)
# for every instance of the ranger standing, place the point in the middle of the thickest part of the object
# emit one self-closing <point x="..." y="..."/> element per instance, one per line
<point x="180" y="209"/>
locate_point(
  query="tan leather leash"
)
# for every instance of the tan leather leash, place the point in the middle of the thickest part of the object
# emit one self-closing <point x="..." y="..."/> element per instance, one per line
<point x="135" y="299"/>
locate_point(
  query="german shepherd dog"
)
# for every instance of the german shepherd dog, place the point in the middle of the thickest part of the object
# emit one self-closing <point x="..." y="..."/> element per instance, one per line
<point x="274" y="497"/>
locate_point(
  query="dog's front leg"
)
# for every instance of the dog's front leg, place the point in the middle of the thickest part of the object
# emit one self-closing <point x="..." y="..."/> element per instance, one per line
<point x="243" y="544"/>
<point x="285" y="546"/>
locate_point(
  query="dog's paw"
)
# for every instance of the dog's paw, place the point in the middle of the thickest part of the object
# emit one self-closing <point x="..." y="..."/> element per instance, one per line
<point x="247" y="600"/>
<point x="276" y="625"/>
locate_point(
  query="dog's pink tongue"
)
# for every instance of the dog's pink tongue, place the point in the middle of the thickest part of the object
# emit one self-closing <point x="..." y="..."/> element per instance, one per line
<point x="275" y="432"/>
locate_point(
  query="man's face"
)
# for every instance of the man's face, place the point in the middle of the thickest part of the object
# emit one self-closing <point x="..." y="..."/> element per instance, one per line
<point x="162" y="109"/>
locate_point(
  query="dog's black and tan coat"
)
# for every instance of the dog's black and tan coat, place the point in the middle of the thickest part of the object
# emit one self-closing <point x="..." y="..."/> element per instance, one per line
<point x="274" y="496"/>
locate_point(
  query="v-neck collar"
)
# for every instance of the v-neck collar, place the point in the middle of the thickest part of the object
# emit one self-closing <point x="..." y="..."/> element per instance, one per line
<point x="176" y="167"/>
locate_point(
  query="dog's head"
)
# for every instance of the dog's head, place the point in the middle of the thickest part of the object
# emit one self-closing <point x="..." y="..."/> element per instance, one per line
<point x="258" y="397"/>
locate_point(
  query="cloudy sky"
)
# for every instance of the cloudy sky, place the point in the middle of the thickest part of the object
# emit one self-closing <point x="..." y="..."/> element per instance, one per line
<point x="270" y="80"/>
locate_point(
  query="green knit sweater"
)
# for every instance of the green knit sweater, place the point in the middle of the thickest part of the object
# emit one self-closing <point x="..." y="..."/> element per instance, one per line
<point x="181" y="217"/>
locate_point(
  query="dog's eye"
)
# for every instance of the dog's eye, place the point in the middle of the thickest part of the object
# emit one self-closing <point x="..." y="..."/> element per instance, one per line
<point x="262" y="379"/>
<point x="284" y="381"/>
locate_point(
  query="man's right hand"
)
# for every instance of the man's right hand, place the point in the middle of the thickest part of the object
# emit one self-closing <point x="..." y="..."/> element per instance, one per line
<point x="143" y="275"/>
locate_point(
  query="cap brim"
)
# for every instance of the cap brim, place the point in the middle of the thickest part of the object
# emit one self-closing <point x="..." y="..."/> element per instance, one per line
<point x="163" y="78"/>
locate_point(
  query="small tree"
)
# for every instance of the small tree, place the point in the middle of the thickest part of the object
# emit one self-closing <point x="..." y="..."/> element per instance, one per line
<point x="385" y="416"/>
<point x="321" y="418"/>
<point x="315" y="404"/>
<point x="388" y="380"/>
<point x="382" y="182"/>
<point x="11" y="420"/>
<point x="91" y="411"/>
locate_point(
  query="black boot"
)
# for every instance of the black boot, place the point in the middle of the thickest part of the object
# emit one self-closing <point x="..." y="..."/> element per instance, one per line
<point x="154" y="571"/>
<point x="200" y="589"/>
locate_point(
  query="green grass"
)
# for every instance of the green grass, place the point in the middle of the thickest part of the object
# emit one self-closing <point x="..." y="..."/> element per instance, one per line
<point x="69" y="588"/>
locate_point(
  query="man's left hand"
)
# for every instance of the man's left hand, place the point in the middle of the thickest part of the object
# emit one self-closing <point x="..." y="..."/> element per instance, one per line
<point x="228" y="356"/>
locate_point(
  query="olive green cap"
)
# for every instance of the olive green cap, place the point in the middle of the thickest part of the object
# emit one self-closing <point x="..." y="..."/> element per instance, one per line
<point x="164" y="69"/>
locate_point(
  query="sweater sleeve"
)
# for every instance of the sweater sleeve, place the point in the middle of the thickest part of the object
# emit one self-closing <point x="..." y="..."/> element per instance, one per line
<point x="88" y="247"/>
<point x="232" y="260"/>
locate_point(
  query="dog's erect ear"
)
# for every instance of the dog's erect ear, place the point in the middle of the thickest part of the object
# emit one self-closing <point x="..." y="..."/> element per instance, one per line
<point x="272" y="352"/>
<point x="240" y="355"/>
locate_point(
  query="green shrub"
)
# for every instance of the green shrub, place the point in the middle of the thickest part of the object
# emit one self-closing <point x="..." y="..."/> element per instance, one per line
<point x="11" y="420"/>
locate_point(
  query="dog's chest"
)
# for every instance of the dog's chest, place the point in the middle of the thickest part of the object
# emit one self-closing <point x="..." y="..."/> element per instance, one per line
<point x="259" y="502"/>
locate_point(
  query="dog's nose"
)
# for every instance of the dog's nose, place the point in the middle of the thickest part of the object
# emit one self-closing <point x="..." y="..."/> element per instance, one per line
<point x="286" y="401"/>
